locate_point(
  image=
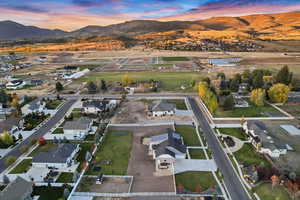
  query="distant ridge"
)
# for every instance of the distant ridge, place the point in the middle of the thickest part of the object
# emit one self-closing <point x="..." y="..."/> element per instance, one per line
<point x="259" y="24"/>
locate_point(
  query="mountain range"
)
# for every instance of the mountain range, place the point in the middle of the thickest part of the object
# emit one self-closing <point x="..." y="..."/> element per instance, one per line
<point x="280" y="26"/>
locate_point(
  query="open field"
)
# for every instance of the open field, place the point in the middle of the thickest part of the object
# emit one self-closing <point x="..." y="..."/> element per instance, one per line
<point x="252" y="111"/>
<point x="170" y="80"/>
<point x="175" y="59"/>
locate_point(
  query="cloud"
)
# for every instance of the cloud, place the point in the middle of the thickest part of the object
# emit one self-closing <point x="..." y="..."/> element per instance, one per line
<point x="27" y="8"/>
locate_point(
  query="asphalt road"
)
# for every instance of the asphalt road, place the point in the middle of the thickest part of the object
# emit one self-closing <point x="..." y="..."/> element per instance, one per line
<point x="40" y="132"/>
<point x="233" y="184"/>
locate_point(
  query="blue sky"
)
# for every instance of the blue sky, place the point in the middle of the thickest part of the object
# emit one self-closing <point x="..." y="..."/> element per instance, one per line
<point x="73" y="14"/>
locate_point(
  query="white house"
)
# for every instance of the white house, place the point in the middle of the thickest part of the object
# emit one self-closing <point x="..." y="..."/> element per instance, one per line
<point x="15" y="84"/>
<point x="162" y="108"/>
<point x="35" y="106"/>
<point x="79" y="128"/>
<point x="262" y="140"/>
<point x="62" y="156"/>
<point x="98" y="106"/>
<point x="165" y="149"/>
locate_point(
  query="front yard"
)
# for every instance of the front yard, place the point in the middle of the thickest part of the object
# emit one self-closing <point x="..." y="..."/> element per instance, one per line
<point x="22" y="167"/>
<point x="189" y="135"/>
<point x="53" y="104"/>
<point x="31" y="121"/>
<point x="235" y="132"/>
<point x="191" y="180"/>
<point x="265" y="192"/>
<point x="197" y="154"/>
<point x="247" y="155"/>
<point x="113" y="156"/>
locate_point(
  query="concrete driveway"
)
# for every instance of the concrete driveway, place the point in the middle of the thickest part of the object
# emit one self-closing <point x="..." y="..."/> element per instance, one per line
<point x="184" y="165"/>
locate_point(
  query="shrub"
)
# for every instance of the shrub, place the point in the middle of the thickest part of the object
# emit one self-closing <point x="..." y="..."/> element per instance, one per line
<point x="10" y="160"/>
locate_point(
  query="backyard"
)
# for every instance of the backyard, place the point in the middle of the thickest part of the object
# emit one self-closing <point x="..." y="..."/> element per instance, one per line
<point x="170" y="80"/>
<point x="266" y="192"/>
<point x="251" y="111"/>
<point x="247" y="156"/>
<point x="113" y="156"/>
<point x="49" y="193"/>
<point x="65" y="177"/>
<point x="189" y="135"/>
<point x="84" y="147"/>
<point x="180" y="103"/>
<point x="191" y="180"/>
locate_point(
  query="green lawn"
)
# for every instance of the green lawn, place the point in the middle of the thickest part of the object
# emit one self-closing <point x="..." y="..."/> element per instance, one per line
<point x="58" y="131"/>
<point x="197" y="154"/>
<point x="76" y="110"/>
<point x="65" y="177"/>
<point x="180" y="103"/>
<point x="53" y="104"/>
<point x="162" y="65"/>
<point x="115" y="148"/>
<point x="175" y="59"/>
<point x="76" y="114"/>
<point x="190" y="180"/>
<point x="170" y="81"/>
<point x="84" y="147"/>
<point x="252" y="111"/>
<point x="32" y="121"/>
<point x="247" y="155"/>
<point x="22" y="167"/>
<point x="189" y="135"/>
<point x="44" y="148"/>
<point x="265" y="192"/>
<point x="236" y="132"/>
<point x="49" y="193"/>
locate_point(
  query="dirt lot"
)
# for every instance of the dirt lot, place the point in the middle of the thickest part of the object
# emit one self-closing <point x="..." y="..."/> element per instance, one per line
<point x="142" y="167"/>
<point x="134" y="111"/>
<point x="111" y="185"/>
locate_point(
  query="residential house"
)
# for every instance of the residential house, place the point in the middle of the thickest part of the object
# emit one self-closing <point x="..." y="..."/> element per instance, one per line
<point x="98" y="106"/>
<point x="35" y="82"/>
<point x="35" y="106"/>
<point x="15" y="84"/>
<point x="79" y="128"/>
<point x="162" y="108"/>
<point x="19" y="189"/>
<point x="243" y="89"/>
<point x="62" y="156"/>
<point x="262" y="140"/>
<point x="165" y="149"/>
<point x="11" y="124"/>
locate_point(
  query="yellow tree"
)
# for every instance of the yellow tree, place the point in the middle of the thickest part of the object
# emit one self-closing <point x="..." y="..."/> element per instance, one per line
<point x="258" y="97"/>
<point x="202" y="89"/>
<point x="126" y="80"/>
<point x="6" y="138"/>
<point x="278" y="93"/>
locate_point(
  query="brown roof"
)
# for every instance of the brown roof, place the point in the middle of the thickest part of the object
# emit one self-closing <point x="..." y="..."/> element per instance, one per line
<point x="7" y="124"/>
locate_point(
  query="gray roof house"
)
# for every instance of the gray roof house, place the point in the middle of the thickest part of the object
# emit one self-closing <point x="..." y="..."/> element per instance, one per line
<point x="19" y="189"/>
<point x="95" y="106"/>
<point x="165" y="149"/>
<point x="33" y="107"/>
<point x="162" y="108"/>
<point x="263" y="140"/>
<point x="61" y="156"/>
<point x="79" y="128"/>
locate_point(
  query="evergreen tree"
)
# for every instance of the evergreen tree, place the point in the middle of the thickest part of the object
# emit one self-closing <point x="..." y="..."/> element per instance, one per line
<point x="228" y="103"/>
<point x="284" y="76"/>
<point x="103" y="85"/>
<point x="3" y="97"/>
<point x="59" y="87"/>
<point x="92" y="87"/>
<point x="258" y="81"/>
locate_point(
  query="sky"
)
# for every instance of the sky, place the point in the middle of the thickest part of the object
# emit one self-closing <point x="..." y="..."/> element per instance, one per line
<point x="73" y="14"/>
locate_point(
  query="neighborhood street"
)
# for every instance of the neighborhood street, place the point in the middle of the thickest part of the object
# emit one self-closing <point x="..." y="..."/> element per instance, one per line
<point x="232" y="181"/>
<point x="40" y="132"/>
